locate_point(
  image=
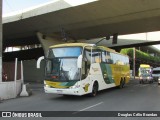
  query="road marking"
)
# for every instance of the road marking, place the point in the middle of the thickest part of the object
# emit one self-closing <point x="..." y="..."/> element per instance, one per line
<point x="87" y="108"/>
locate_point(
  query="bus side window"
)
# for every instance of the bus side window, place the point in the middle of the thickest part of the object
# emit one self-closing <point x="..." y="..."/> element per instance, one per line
<point x="98" y="58"/>
<point x="104" y="56"/>
<point x="96" y="55"/>
<point x="108" y="58"/>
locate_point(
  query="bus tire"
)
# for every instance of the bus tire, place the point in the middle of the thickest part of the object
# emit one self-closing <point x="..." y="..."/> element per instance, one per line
<point x="94" y="89"/>
<point x="140" y="82"/>
<point x="121" y="84"/>
<point x="124" y="82"/>
<point x="150" y="82"/>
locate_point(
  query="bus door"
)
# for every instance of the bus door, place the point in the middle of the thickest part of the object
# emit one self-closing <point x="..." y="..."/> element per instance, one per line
<point x="86" y="62"/>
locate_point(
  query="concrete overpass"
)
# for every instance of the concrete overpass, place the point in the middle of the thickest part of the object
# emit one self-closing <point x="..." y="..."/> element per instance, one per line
<point x="95" y="19"/>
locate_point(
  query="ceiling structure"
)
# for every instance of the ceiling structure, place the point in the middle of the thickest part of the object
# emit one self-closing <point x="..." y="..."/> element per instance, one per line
<point x="87" y="21"/>
<point x="92" y="20"/>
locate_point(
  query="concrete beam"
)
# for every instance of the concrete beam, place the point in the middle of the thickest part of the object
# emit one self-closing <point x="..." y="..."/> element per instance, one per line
<point x="47" y="41"/>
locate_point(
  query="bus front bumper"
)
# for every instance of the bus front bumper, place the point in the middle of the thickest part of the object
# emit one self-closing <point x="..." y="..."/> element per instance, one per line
<point x="67" y="91"/>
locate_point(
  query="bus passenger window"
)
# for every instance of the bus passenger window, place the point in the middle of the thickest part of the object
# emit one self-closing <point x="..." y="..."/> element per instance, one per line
<point x="96" y="57"/>
<point x="108" y="58"/>
<point x="104" y="56"/>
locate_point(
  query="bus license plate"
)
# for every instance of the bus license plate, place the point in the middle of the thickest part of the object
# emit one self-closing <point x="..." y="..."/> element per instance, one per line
<point x="59" y="91"/>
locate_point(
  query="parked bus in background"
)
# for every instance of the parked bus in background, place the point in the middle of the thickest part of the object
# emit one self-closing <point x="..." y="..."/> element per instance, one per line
<point x="80" y="68"/>
<point x="145" y="74"/>
<point x="156" y="74"/>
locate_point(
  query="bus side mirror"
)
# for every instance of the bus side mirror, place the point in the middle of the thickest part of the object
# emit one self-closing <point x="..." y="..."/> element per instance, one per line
<point x="39" y="61"/>
<point x="79" y="62"/>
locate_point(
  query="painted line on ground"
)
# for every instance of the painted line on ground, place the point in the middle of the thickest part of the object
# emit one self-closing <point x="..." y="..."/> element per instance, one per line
<point x="87" y="108"/>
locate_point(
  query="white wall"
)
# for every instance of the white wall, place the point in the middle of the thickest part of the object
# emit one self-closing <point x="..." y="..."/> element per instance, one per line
<point x="31" y="74"/>
<point x="8" y="91"/>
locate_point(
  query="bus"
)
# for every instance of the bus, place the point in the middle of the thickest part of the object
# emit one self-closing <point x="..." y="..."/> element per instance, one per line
<point x="145" y="73"/>
<point x="81" y="68"/>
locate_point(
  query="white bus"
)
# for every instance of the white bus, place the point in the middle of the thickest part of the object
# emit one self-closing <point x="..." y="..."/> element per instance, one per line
<point x="80" y="68"/>
<point x="145" y="73"/>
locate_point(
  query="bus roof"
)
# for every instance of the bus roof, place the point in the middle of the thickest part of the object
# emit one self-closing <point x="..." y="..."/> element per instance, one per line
<point x="106" y="48"/>
<point x="70" y="45"/>
<point x="80" y="45"/>
<point x="145" y="66"/>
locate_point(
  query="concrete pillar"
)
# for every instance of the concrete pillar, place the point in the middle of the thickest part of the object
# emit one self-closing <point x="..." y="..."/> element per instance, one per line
<point x="47" y="41"/>
<point x="1" y="50"/>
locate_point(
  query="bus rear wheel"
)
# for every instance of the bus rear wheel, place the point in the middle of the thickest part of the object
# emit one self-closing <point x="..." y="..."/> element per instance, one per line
<point x="94" y="89"/>
<point x="122" y="83"/>
<point x="142" y="82"/>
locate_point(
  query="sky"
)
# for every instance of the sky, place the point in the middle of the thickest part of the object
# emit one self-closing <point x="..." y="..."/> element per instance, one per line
<point x="16" y="5"/>
<point x="10" y="6"/>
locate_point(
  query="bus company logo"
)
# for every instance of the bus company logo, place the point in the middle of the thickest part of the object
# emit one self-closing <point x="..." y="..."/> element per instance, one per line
<point x="6" y="114"/>
<point x="86" y="87"/>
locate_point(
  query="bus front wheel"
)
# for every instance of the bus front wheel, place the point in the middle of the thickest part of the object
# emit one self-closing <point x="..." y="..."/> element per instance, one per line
<point x="94" y="89"/>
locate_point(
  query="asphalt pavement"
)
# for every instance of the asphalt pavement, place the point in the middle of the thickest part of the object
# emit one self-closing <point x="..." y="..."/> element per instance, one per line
<point x="134" y="97"/>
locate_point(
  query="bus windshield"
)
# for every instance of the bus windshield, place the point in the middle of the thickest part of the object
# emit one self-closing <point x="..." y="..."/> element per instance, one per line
<point x="61" y="64"/>
<point x="145" y="71"/>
